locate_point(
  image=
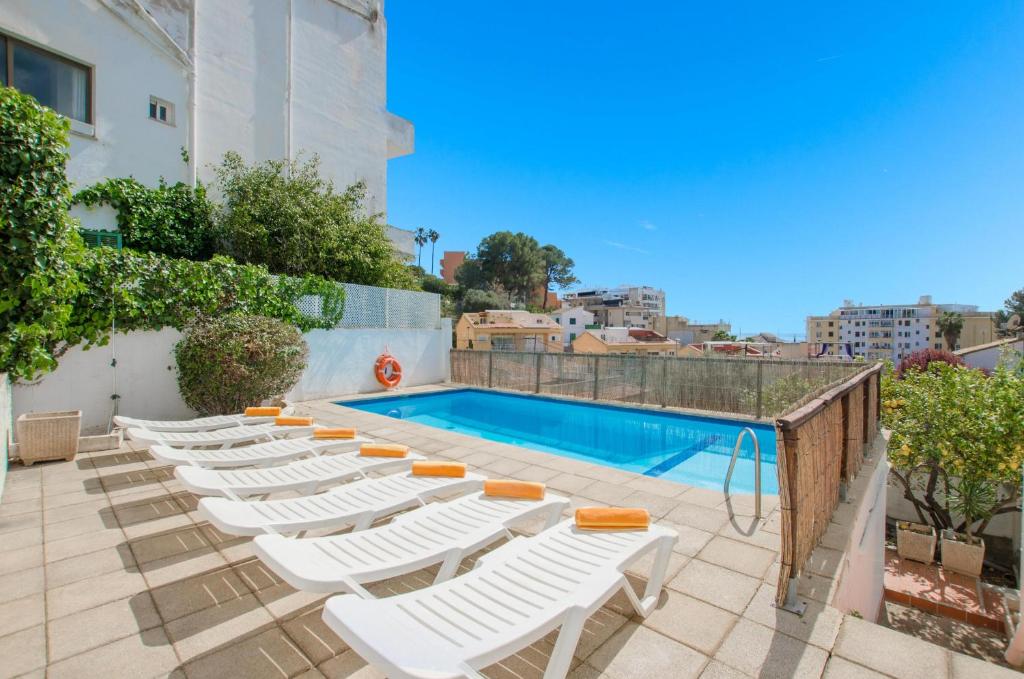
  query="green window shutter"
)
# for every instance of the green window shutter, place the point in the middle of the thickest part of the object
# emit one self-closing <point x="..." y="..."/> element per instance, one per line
<point x="97" y="239"/>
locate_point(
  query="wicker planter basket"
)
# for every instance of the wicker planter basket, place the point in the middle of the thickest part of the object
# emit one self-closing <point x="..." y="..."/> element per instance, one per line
<point x="961" y="557"/>
<point x="915" y="541"/>
<point x="48" y="436"/>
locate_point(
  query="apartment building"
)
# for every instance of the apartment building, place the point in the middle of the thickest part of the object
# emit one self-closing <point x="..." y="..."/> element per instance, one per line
<point x="624" y="306"/>
<point x="683" y="331"/>
<point x="451" y="260"/>
<point x="574" y="320"/>
<point x="163" y="88"/>
<point x="893" y="331"/>
<point x="508" y="330"/>
<point x="625" y="341"/>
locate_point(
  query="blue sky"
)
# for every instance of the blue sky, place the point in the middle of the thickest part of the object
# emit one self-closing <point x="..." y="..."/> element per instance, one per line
<point x="760" y="162"/>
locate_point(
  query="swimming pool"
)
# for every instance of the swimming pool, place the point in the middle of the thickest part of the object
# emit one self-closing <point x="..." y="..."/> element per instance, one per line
<point x="684" y="448"/>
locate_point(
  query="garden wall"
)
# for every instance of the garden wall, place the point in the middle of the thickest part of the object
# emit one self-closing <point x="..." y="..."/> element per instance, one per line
<point x="340" y="362"/>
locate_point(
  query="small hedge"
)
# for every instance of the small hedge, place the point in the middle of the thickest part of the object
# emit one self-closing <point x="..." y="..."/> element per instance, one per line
<point x="172" y="219"/>
<point x="143" y="291"/>
<point x="229" y="363"/>
<point x="920" y="360"/>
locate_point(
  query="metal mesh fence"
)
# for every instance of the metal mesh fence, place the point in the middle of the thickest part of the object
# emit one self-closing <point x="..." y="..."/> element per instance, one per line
<point x="371" y="307"/>
<point x="756" y="387"/>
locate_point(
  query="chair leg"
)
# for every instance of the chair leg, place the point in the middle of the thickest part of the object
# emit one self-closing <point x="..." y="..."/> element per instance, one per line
<point x="568" y="638"/>
<point x="657" y="577"/>
<point x="449" y="566"/>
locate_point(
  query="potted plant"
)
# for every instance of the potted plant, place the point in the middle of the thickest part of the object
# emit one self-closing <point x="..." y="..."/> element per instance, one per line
<point x="956" y="447"/>
<point x="915" y="541"/>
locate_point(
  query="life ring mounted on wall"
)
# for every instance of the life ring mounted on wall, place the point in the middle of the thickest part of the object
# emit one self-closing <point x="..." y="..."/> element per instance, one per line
<point x="388" y="370"/>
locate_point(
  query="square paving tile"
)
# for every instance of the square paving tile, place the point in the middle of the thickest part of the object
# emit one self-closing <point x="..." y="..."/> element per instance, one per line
<point x="716" y="585"/>
<point x="759" y="651"/>
<point x="636" y="651"/>
<point x="695" y="623"/>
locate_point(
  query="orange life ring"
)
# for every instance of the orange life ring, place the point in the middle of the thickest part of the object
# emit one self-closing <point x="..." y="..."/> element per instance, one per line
<point x="388" y="370"/>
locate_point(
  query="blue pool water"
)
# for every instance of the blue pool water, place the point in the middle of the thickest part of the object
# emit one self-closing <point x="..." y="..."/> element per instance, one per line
<point x="689" y="449"/>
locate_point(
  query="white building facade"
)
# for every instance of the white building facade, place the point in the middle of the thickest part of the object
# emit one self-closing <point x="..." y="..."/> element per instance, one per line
<point x="163" y="88"/>
<point x="574" y="322"/>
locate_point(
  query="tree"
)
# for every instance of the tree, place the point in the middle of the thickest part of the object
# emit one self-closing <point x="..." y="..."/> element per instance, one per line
<point x="432" y="236"/>
<point x="284" y="215"/>
<point x="557" y="270"/>
<point x="513" y="262"/>
<point x="470" y="276"/>
<point x="956" y="442"/>
<point x="421" y="239"/>
<point x="950" y="324"/>
<point x="479" y="300"/>
<point x="1014" y="305"/>
<point x="722" y="336"/>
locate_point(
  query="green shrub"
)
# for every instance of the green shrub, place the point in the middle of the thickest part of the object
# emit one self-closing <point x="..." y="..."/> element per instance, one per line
<point x="143" y="291"/>
<point x="284" y="215"/>
<point x="174" y="220"/>
<point x="39" y="245"/>
<point x="228" y="363"/>
<point x="957" y="442"/>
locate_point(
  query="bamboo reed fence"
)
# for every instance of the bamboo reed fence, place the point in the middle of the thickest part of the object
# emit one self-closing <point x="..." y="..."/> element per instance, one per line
<point x="820" y="448"/>
<point x="761" y="388"/>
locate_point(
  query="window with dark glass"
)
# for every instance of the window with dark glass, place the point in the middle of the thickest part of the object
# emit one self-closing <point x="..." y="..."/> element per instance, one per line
<point x="54" y="81"/>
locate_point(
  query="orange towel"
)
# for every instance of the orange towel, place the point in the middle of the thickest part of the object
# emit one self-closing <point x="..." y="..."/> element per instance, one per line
<point x="522" y="490"/>
<point x="612" y="518"/>
<point x="334" y="433"/>
<point x="383" y="450"/>
<point x="284" y="421"/>
<point x="456" y="470"/>
<point x="262" y="411"/>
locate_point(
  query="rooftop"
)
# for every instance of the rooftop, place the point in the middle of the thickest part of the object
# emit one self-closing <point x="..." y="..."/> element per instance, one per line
<point x="109" y="571"/>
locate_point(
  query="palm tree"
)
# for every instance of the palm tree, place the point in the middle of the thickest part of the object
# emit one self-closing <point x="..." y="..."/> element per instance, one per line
<point x="432" y="236"/>
<point x="421" y="239"/>
<point x="950" y="324"/>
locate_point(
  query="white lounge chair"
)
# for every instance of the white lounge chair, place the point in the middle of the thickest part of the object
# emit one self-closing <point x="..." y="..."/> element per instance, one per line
<point x="302" y="476"/>
<point x="357" y="504"/>
<point x="255" y="455"/>
<point x="444" y="532"/>
<point x="197" y="424"/>
<point x="516" y="595"/>
<point x="217" y="438"/>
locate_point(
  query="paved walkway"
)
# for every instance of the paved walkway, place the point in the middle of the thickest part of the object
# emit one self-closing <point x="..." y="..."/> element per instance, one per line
<point x="106" y="571"/>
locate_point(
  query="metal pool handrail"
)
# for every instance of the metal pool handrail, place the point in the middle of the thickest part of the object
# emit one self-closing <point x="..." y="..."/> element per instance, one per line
<point x="757" y="467"/>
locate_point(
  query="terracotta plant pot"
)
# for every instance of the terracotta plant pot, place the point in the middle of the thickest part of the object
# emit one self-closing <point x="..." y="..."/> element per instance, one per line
<point x="960" y="557"/>
<point x="48" y="436"/>
<point x="915" y="541"/>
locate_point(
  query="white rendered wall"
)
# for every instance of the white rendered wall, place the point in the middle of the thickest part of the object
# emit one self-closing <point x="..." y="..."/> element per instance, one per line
<point x="129" y="67"/>
<point x="861" y="586"/>
<point x="988" y="359"/>
<point x="340" y="363"/>
<point x="83" y="380"/>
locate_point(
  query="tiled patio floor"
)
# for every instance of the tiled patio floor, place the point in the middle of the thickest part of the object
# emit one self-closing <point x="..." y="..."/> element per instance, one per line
<point x="106" y="571"/>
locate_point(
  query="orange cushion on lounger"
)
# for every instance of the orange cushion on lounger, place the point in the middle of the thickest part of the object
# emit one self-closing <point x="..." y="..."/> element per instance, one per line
<point x="612" y="518"/>
<point x="284" y="421"/>
<point x="334" y="433"/>
<point x="383" y="450"/>
<point x="521" y="490"/>
<point x="262" y="411"/>
<point x="456" y="470"/>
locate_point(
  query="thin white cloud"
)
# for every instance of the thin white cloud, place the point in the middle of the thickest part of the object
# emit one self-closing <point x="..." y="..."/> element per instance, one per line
<point x="623" y="246"/>
<point x="829" y="58"/>
<point x="648" y="226"/>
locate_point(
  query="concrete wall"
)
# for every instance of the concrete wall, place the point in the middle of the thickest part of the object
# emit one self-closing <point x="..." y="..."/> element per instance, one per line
<point x="84" y="380"/>
<point x="340" y="363"/>
<point x="861" y="586"/>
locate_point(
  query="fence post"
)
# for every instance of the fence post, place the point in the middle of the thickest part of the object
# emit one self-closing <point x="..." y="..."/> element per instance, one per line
<point x="760" y="389"/>
<point x="490" y="369"/>
<point x="644" y="360"/>
<point x="664" y="383"/>
<point x="540" y="356"/>
<point x="597" y="362"/>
